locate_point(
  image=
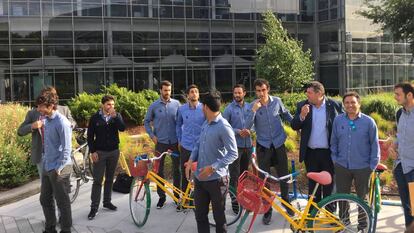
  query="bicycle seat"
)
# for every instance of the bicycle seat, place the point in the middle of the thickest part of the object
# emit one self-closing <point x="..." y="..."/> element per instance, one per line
<point x="381" y="167"/>
<point x="193" y="166"/>
<point x="323" y="177"/>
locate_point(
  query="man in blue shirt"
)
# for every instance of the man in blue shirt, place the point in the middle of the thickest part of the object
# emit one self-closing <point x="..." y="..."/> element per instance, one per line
<point x="236" y="114"/>
<point x="214" y="151"/>
<point x="190" y="117"/>
<point x="355" y="152"/>
<point x="57" y="164"/>
<point x="314" y="118"/>
<point x="404" y="164"/>
<point x="266" y="114"/>
<point x="162" y="114"/>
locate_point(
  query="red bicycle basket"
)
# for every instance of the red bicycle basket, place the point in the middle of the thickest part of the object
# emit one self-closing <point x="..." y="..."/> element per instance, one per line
<point x="249" y="193"/>
<point x="139" y="169"/>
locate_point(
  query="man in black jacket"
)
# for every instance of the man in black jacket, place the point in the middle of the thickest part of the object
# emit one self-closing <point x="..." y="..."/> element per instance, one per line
<point x="314" y="118"/>
<point x="103" y="142"/>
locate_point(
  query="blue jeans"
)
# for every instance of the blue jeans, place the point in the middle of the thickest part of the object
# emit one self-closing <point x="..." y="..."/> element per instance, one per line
<point x="402" y="182"/>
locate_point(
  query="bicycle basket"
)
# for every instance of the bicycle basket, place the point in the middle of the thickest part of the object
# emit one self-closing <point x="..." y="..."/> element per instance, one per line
<point x="81" y="139"/>
<point x="139" y="169"/>
<point x="249" y="194"/>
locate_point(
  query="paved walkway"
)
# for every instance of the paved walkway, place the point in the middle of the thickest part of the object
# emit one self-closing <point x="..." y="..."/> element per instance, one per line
<point x="26" y="216"/>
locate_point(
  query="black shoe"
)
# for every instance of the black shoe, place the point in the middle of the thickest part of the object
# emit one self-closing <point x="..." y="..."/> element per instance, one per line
<point x="92" y="214"/>
<point x="267" y="217"/>
<point x="110" y="206"/>
<point x="161" y="203"/>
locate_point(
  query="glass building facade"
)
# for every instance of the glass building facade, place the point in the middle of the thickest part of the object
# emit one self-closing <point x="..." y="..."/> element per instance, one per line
<point x="80" y="45"/>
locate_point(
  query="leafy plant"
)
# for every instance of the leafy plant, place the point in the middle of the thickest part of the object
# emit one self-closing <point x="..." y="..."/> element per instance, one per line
<point x="383" y="104"/>
<point x="15" y="165"/>
<point x="281" y="59"/>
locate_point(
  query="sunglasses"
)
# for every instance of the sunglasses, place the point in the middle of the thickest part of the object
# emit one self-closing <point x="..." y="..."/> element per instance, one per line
<point x="352" y="125"/>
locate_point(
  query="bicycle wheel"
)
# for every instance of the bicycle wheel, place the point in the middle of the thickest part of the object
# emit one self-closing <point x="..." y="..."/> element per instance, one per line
<point x="74" y="185"/>
<point x="353" y="213"/>
<point x="232" y="209"/>
<point x="139" y="201"/>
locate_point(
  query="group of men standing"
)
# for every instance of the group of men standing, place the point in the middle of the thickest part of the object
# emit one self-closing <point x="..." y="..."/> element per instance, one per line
<point x="335" y="137"/>
<point x="51" y="127"/>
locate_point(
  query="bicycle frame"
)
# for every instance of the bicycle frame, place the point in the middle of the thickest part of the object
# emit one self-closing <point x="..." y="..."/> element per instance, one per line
<point x="185" y="196"/>
<point x="375" y="191"/>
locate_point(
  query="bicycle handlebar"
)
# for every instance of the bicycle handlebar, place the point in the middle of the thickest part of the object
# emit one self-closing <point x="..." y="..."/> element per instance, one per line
<point x="141" y="157"/>
<point x="267" y="175"/>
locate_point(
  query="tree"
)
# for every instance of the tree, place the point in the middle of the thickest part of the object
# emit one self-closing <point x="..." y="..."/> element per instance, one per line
<point x="281" y="59"/>
<point x="395" y="16"/>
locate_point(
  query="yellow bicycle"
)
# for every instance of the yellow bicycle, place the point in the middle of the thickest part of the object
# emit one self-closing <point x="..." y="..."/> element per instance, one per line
<point x="336" y="213"/>
<point x="144" y="169"/>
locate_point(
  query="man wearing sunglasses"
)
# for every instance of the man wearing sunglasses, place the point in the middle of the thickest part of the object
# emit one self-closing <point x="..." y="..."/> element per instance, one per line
<point x="355" y="152"/>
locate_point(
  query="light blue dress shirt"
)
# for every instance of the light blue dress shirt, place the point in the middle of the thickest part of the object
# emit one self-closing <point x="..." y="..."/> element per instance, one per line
<point x="57" y="142"/>
<point x="189" y="122"/>
<point x="319" y="133"/>
<point x="354" y="144"/>
<point x="267" y="121"/>
<point x="405" y="139"/>
<point x="216" y="147"/>
<point x="236" y="115"/>
<point x="163" y="117"/>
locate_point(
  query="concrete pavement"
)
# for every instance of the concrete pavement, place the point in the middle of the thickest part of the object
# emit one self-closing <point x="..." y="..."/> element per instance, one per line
<point x="27" y="216"/>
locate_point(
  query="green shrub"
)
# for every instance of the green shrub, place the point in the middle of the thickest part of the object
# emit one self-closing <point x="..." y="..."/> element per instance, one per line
<point x="383" y="104"/>
<point x="15" y="165"/>
<point x="385" y="128"/>
<point x="290" y="100"/>
<point x="132" y="106"/>
<point x="83" y="106"/>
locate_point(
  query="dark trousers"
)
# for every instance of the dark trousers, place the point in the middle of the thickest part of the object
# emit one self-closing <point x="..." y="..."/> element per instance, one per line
<point x="343" y="180"/>
<point x="175" y="166"/>
<point x="184" y="156"/>
<point x="214" y="191"/>
<point x="55" y="187"/>
<point x="318" y="160"/>
<point x="239" y="165"/>
<point x="277" y="158"/>
<point x="106" y="164"/>
<point x="402" y="182"/>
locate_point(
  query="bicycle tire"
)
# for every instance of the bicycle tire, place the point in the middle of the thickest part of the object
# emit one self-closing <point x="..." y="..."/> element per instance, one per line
<point x="233" y="210"/>
<point x="74" y="185"/>
<point x="139" y="201"/>
<point x="348" y="201"/>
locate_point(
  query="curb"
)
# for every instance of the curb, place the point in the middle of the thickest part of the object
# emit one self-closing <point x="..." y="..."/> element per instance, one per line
<point x="20" y="193"/>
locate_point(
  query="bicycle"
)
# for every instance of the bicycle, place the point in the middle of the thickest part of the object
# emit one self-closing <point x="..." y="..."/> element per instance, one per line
<point x="374" y="198"/>
<point x="82" y="164"/>
<point x="336" y="213"/>
<point x="144" y="170"/>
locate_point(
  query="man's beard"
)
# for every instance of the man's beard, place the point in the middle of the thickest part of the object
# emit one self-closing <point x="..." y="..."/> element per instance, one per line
<point x="238" y="99"/>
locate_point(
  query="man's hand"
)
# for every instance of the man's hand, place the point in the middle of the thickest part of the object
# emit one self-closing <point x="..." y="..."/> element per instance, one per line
<point x="188" y="169"/>
<point x="256" y="105"/>
<point x="112" y="112"/>
<point x="37" y="124"/>
<point x="94" y="157"/>
<point x="205" y="172"/>
<point x="304" y="111"/>
<point x="393" y="150"/>
<point x="155" y="139"/>
<point x="244" y="133"/>
<point x="57" y="172"/>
